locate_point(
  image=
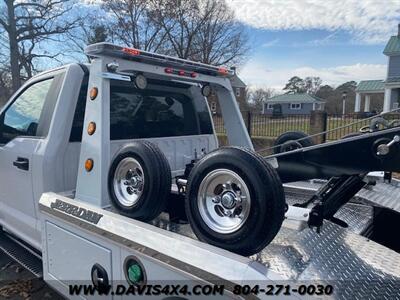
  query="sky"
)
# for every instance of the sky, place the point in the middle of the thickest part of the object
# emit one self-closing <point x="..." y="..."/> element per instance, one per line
<point x="336" y="40"/>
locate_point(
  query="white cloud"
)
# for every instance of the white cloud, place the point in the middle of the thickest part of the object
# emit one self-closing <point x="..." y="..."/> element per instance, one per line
<point x="270" y="43"/>
<point x="368" y="21"/>
<point x="257" y="75"/>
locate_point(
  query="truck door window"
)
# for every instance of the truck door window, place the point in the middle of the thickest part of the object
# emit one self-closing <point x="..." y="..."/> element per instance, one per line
<point x="150" y="113"/>
<point x="22" y="117"/>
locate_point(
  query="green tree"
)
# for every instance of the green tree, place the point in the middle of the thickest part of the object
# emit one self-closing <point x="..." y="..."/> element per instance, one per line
<point x="295" y="85"/>
<point x="349" y="86"/>
<point x="256" y="98"/>
<point x="26" y="26"/>
<point x="97" y="34"/>
<point x="312" y="85"/>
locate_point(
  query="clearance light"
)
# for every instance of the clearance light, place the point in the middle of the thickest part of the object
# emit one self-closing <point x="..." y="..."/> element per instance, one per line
<point x="180" y="72"/>
<point x="223" y="71"/>
<point x="131" y="51"/>
<point x="93" y="93"/>
<point x="91" y="128"/>
<point x="89" y="164"/>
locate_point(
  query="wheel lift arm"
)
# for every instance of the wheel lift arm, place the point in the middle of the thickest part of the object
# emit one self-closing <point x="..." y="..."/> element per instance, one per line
<point x="345" y="164"/>
<point x="376" y="151"/>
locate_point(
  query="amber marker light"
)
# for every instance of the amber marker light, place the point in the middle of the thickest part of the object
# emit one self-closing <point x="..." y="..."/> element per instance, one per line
<point x="93" y="93"/>
<point x="91" y="128"/>
<point x="89" y="164"/>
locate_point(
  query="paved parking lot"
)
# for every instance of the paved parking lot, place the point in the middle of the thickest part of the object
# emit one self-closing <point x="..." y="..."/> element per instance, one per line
<point x="18" y="283"/>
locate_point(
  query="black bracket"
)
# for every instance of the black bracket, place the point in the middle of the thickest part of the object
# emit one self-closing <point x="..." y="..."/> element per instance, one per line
<point x="331" y="197"/>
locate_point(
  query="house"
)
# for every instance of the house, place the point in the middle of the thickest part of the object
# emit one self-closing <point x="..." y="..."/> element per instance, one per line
<point x="239" y="88"/>
<point x="292" y="104"/>
<point x="390" y="87"/>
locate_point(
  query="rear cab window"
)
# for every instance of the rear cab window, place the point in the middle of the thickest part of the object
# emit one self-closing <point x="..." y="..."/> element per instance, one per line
<point x="155" y="112"/>
<point x="150" y="113"/>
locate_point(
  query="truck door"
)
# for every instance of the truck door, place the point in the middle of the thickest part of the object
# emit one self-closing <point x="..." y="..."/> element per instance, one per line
<point x="24" y="124"/>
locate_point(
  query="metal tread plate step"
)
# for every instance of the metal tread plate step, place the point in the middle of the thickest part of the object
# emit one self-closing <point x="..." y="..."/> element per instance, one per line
<point x="17" y="252"/>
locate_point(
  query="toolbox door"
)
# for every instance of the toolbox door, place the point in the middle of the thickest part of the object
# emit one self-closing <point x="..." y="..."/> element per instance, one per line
<point x="71" y="261"/>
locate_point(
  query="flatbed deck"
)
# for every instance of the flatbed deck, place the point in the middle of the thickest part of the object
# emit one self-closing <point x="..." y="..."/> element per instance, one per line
<point x="355" y="266"/>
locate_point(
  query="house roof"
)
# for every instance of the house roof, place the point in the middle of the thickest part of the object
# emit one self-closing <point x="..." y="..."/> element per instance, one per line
<point x="295" y="98"/>
<point x="237" y="82"/>
<point x="393" y="46"/>
<point x="371" y="86"/>
<point x="393" y="79"/>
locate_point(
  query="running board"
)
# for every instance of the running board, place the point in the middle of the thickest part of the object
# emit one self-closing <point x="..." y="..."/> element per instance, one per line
<point x="19" y="252"/>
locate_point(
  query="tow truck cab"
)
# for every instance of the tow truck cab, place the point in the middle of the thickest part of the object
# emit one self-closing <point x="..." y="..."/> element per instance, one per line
<point x="41" y="132"/>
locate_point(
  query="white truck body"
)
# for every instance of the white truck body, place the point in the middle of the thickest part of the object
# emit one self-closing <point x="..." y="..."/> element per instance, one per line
<point x="72" y="224"/>
<point x="53" y="159"/>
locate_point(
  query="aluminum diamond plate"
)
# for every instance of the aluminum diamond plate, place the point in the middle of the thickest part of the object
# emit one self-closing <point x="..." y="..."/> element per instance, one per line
<point x="358" y="217"/>
<point x="383" y="194"/>
<point x="356" y="267"/>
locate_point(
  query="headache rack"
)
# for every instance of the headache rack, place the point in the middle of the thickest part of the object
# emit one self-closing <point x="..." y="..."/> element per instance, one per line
<point x="111" y="50"/>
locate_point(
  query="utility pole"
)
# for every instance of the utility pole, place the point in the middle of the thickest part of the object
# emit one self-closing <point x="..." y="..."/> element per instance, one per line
<point x="344" y="96"/>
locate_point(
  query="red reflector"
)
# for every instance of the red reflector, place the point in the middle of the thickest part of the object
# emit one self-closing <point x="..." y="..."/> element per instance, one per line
<point x="193" y="75"/>
<point x="131" y="51"/>
<point x="181" y="73"/>
<point x="168" y="70"/>
<point x="223" y="71"/>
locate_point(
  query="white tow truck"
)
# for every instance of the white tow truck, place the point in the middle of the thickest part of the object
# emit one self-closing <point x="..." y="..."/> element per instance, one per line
<point x="100" y="163"/>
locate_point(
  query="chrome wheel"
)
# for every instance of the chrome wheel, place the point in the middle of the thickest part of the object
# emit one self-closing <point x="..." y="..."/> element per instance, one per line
<point x="128" y="181"/>
<point x="224" y="201"/>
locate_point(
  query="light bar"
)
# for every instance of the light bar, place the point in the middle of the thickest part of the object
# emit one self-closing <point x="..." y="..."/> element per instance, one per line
<point x="107" y="49"/>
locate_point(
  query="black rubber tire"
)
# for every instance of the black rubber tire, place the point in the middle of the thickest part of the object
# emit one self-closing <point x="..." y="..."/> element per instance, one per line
<point x="157" y="178"/>
<point x="292" y="136"/>
<point x="267" y="208"/>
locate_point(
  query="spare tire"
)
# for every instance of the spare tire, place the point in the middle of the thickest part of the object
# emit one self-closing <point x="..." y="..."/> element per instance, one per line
<point x="139" y="181"/>
<point x="235" y="200"/>
<point x="292" y="140"/>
